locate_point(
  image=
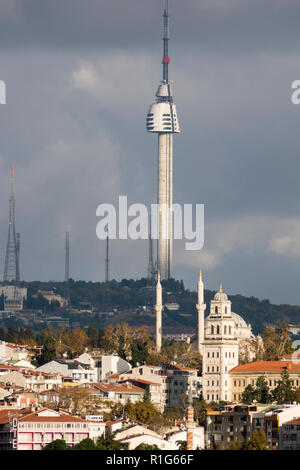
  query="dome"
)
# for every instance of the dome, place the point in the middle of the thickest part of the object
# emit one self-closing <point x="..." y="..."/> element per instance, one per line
<point x="238" y="320"/>
<point x="220" y="296"/>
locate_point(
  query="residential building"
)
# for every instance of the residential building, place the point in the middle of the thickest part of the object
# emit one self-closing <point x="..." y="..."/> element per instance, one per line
<point x="73" y="369"/>
<point x="225" y="426"/>
<point x="122" y="392"/>
<point x="271" y="420"/>
<point x="181" y="435"/>
<point x="289" y="437"/>
<point x="135" y="441"/>
<point x="179" y="381"/>
<point x="26" y="430"/>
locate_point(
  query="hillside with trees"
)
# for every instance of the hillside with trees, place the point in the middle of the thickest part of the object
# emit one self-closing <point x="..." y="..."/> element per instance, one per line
<point x="132" y="301"/>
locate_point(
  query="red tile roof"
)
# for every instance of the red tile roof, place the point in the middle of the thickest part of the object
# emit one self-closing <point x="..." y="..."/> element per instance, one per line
<point x="8" y="414"/>
<point x="176" y="366"/>
<point x="293" y="421"/>
<point x="267" y="366"/>
<point x="62" y="418"/>
<point x="142" y="381"/>
<point x="122" y="388"/>
<point x="110" y="423"/>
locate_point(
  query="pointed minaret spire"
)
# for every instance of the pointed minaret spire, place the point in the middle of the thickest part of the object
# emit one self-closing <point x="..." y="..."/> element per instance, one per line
<point x="158" y="309"/>
<point x="201" y="309"/>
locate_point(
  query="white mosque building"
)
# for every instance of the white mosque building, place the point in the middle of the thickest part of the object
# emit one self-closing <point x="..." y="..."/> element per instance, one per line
<point x="220" y="337"/>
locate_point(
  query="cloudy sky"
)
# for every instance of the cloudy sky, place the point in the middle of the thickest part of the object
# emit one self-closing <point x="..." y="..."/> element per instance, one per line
<point x="80" y="77"/>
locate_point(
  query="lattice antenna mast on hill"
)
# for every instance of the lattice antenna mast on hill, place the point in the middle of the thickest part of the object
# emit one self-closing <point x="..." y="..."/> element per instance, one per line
<point x="67" y="268"/>
<point x="107" y="260"/>
<point x="11" y="267"/>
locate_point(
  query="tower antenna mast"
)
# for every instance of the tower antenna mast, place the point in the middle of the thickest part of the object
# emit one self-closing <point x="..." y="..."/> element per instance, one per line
<point x="166" y="37"/>
<point x="11" y="267"/>
<point x="67" y="267"/>
<point x="107" y="260"/>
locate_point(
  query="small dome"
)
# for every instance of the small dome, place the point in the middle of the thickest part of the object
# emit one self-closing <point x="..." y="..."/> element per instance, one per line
<point x="220" y="296"/>
<point x="239" y="321"/>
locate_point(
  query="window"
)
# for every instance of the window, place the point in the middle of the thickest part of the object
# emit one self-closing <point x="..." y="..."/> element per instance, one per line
<point x="218" y="329"/>
<point x="212" y="330"/>
<point x="216" y="310"/>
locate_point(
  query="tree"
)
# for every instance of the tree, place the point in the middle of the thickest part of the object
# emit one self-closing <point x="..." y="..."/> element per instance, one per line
<point x="277" y="342"/>
<point x="235" y="445"/>
<point x="48" y="352"/>
<point x="147" y="396"/>
<point x="139" y="352"/>
<point x="108" y="442"/>
<point x="140" y="412"/>
<point x="119" y="338"/>
<point x="144" y="446"/>
<point x="182" y="445"/>
<point x="58" y="444"/>
<point x="93" y="334"/>
<point x="248" y="394"/>
<point x="262" y="391"/>
<point x="86" y="444"/>
<point x="258" y="441"/>
<point x="77" y="340"/>
<point x="283" y="393"/>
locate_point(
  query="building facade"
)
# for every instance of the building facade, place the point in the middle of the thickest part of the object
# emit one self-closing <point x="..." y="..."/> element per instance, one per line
<point x="220" y="349"/>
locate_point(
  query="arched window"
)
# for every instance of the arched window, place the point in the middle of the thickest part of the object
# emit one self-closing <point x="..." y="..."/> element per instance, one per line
<point x="229" y="330"/>
<point x="225" y="309"/>
<point x="218" y="329"/>
<point x="216" y="310"/>
<point x="225" y="330"/>
<point x="212" y="330"/>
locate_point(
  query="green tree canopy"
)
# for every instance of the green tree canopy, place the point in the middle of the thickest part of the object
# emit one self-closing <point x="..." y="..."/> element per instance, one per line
<point x="58" y="444"/>
<point x="258" y="441"/>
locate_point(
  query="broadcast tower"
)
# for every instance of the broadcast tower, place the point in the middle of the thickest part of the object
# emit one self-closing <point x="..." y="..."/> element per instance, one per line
<point x="11" y="268"/>
<point x="162" y="120"/>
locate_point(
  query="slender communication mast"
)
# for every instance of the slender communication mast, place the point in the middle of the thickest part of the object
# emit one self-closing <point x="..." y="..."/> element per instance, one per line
<point x="11" y="267"/>
<point x="107" y="260"/>
<point x="162" y="120"/>
<point x="67" y="268"/>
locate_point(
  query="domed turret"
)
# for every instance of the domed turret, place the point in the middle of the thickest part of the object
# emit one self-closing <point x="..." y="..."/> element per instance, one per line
<point x="220" y="296"/>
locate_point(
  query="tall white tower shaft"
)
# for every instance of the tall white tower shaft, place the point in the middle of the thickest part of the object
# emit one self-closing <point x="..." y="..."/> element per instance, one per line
<point x="165" y="202"/>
